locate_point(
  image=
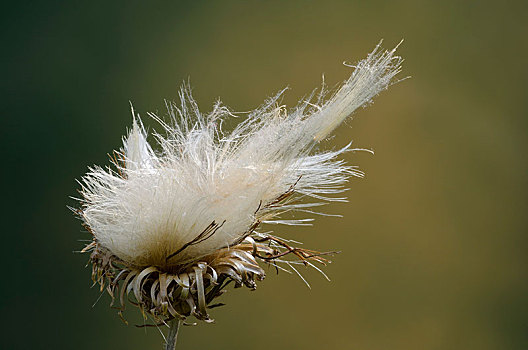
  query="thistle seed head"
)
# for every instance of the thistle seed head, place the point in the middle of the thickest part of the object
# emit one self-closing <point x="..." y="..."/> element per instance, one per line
<point x="174" y="225"/>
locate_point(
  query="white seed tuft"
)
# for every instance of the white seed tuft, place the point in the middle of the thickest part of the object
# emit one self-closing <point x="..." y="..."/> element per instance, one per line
<point x="159" y="201"/>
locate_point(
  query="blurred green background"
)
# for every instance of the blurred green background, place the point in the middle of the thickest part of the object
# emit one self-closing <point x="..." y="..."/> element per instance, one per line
<point x="433" y="240"/>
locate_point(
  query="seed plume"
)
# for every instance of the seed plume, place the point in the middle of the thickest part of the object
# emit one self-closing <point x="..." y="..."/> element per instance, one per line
<point x="176" y="219"/>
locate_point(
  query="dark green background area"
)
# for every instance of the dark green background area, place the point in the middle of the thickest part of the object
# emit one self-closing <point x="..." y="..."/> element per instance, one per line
<point x="433" y="240"/>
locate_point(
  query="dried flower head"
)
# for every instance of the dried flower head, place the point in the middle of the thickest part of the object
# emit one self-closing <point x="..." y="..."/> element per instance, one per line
<point x="172" y="227"/>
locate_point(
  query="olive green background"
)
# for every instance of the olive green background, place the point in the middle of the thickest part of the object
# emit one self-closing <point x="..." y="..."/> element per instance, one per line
<point x="433" y="241"/>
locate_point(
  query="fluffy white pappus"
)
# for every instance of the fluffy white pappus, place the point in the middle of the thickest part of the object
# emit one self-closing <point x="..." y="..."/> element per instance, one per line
<point x="209" y="187"/>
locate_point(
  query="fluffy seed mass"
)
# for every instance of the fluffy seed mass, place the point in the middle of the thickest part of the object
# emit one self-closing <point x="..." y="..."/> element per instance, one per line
<point x="203" y="189"/>
<point x="157" y="202"/>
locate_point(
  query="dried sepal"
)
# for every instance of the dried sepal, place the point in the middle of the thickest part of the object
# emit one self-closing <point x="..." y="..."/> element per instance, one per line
<point x="191" y="289"/>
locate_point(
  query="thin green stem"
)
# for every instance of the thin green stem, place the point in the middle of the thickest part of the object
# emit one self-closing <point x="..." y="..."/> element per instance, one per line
<point x="172" y="337"/>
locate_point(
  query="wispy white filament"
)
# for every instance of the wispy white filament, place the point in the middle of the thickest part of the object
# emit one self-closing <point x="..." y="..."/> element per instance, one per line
<point x="158" y="201"/>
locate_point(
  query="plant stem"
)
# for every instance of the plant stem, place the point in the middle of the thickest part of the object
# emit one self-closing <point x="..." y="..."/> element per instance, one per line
<point x="173" y="334"/>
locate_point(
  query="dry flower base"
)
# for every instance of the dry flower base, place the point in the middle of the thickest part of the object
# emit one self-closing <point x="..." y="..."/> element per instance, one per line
<point x="191" y="289"/>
